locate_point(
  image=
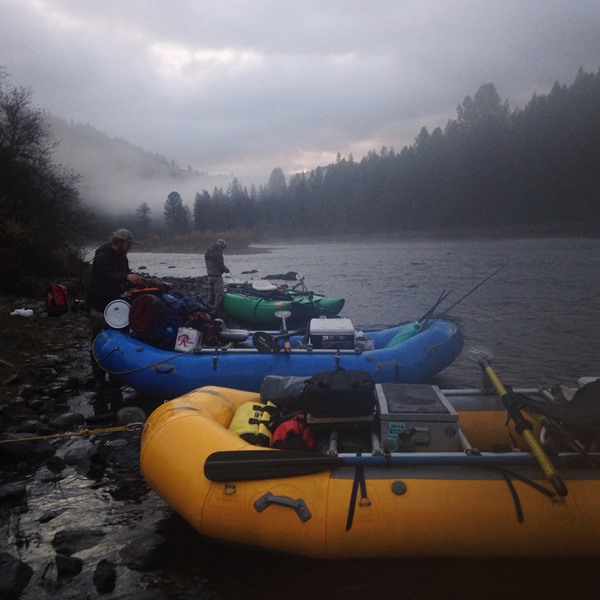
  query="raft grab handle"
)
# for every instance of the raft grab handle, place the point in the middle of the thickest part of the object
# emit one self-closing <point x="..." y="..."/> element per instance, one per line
<point x="298" y="505"/>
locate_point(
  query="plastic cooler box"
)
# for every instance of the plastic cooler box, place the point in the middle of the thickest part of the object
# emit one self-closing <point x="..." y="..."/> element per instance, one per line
<point x="332" y="334"/>
<point x="417" y="414"/>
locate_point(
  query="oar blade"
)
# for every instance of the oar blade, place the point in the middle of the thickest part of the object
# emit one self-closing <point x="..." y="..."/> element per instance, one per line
<point x="264" y="342"/>
<point x="245" y="465"/>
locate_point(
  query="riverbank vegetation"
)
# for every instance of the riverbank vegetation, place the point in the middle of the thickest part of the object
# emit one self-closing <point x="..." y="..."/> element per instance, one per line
<point x="492" y="170"/>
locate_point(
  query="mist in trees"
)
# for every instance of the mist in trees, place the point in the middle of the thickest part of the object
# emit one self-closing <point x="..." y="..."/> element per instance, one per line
<point x="143" y="220"/>
<point x="492" y="167"/>
<point x="177" y="216"/>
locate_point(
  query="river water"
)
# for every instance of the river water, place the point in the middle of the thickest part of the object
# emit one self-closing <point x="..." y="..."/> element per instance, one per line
<point x="538" y="317"/>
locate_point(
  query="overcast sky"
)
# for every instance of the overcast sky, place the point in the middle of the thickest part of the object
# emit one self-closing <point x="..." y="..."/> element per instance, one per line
<point x="245" y="86"/>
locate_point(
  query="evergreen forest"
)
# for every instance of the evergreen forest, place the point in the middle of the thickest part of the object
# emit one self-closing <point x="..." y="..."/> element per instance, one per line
<point x="490" y="168"/>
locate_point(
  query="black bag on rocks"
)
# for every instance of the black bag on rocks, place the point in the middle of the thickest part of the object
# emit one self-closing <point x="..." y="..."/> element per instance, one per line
<point x="339" y="393"/>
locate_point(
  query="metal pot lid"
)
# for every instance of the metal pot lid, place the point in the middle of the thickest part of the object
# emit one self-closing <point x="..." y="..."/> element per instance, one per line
<point x="116" y="314"/>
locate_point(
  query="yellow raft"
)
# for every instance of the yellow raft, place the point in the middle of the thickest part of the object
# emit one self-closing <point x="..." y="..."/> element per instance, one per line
<point x="453" y="491"/>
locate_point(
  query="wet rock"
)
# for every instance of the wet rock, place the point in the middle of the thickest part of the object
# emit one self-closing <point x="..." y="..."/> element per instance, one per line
<point x="145" y="553"/>
<point x="92" y="467"/>
<point x="130" y="414"/>
<point x="55" y="464"/>
<point x="129" y="395"/>
<point x="67" y="421"/>
<point x="50" y="477"/>
<point x="118" y="443"/>
<point x="40" y="376"/>
<point x="11" y="379"/>
<point x="105" y="577"/>
<point x="49" y="405"/>
<point x="55" y="390"/>
<point x="51" y="515"/>
<point x="17" y="402"/>
<point x="36" y="404"/>
<point x="14" y="575"/>
<point x="47" y="361"/>
<point x="73" y="382"/>
<point x="82" y="402"/>
<point x="26" y="391"/>
<point x="30" y="451"/>
<point x="78" y="451"/>
<point x="30" y="425"/>
<point x="14" y="492"/>
<point x="68" y="566"/>
<point x="70" y="541"/>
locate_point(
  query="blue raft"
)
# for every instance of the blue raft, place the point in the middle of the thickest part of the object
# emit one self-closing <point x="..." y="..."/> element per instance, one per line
<point x="407" y="353"/>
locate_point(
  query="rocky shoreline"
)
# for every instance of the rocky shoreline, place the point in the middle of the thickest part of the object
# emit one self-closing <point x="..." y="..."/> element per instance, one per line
<point x="73" y="505"/>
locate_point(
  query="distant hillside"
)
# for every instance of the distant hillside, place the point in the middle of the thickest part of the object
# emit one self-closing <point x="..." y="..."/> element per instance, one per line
<point x="116" y="175"/>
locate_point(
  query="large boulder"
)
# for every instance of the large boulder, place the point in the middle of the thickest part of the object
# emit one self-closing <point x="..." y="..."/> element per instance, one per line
<point x="14" y="575"/>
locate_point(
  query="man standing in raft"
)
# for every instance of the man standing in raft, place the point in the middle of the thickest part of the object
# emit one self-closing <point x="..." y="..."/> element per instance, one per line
<point x="215" y="267"/>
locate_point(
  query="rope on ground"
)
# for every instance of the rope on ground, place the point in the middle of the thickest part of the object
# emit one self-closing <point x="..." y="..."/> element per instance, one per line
<point x="82" y="433"/>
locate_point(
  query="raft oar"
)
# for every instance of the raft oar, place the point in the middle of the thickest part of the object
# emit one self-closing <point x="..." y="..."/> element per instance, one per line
<point x="283" y="330"/>
<point x="266" y="343"/>
<point x="241" y="465"/>
<point x="525" y="429"/>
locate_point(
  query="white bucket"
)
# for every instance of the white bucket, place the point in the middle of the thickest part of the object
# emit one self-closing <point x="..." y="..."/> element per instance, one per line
<point x="116" y="314"/>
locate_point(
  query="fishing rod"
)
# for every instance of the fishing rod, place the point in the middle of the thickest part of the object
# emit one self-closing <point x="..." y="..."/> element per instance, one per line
<point x="428" y="314"/>
<point x="476" y="287"/>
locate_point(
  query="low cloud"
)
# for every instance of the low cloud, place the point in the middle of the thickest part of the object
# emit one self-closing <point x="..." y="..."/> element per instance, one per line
<point x="244" y="88"/>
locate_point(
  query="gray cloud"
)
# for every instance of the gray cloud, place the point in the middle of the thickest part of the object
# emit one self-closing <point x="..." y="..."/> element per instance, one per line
<point x="244" y="87"/>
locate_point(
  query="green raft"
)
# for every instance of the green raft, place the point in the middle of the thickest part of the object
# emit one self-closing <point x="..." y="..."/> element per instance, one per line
<point x="256" y="303"/>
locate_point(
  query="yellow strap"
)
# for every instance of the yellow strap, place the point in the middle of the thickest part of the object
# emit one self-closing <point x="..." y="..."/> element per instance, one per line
<point x="82" y="433"/>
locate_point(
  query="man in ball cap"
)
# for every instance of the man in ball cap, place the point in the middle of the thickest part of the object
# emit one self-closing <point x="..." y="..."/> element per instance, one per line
<point x="111" y="276"/>
<point x="215" y="267"/>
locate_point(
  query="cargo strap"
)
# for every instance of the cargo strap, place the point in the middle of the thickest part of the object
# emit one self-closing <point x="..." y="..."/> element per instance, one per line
<point x="509" y="475"/>
<point x="359" y="481"/>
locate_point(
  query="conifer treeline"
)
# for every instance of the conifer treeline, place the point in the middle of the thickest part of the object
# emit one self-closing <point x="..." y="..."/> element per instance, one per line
<point x="489" y="167"/>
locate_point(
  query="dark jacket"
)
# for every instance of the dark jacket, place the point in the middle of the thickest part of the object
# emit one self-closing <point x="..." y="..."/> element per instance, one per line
<point x="215" y="264"/>
<point x="109" y="274"/>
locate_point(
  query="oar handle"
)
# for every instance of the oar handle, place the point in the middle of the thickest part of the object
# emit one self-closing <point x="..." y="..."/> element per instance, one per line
<point x="546" y="465"/>
<point x="500" y="389"/>
<point x="524" y="428"/>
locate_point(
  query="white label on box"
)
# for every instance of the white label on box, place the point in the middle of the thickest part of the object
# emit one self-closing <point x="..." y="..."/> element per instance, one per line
<point x="188" y="339"/>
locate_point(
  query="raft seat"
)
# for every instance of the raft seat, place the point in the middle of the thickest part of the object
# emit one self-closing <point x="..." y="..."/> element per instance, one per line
<point x="234" y="335"/>
<point x="231" y="335"/>
<point x="263" y="286"/>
